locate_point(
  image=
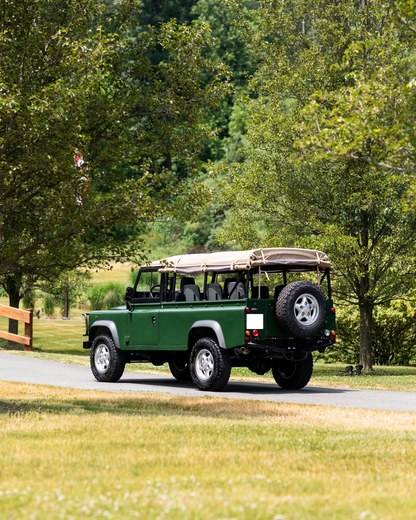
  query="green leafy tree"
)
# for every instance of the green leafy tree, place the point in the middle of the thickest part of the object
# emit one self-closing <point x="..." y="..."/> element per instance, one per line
<point x="305" y="183"/>
<point x="75" y="83"/>
<point x="156" y="12"/>
<point x="228" y="47"/>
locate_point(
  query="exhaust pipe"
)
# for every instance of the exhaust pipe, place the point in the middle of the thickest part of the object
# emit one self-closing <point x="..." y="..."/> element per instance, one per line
<point x="242" y="350"/>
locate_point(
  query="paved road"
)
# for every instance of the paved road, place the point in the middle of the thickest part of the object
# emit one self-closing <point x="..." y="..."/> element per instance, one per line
<point x="36" y="371"/>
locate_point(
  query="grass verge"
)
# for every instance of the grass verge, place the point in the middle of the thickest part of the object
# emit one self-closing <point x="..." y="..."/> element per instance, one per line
<point x="76" y="454"/>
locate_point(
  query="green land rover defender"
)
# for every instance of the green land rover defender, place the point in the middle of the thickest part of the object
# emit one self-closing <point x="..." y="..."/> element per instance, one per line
<point x="203" y="314"/>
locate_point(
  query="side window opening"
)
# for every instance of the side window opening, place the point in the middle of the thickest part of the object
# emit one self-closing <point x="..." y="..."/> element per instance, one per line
<point x="265" y="285"/>
<point x="270" y="284"/>
<point x="148" y="285"/>
<point x="187" y="288"/>
<point x="230" y="285"/>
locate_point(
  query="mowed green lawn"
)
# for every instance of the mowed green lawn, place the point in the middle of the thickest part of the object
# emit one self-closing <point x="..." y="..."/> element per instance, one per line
<point x="80" y="454"/>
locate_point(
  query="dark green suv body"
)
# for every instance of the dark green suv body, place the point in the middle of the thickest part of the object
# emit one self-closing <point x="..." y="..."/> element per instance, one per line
<point x="204" y="314"/>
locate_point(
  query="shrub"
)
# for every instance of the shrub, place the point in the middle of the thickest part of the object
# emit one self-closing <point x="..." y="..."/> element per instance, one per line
<point x="394" y="335"/>
<point x="113" y="299"/>
<point x="106" y="295"/>
<point x="49" y="305"/>
<point x="29" y="300"/>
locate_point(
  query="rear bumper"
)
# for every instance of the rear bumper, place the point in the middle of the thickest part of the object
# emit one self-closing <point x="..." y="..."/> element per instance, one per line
<point x="291" y="346"/>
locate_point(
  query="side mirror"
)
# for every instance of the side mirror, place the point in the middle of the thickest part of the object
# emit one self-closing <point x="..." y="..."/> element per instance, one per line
<point x="129" y="294"/>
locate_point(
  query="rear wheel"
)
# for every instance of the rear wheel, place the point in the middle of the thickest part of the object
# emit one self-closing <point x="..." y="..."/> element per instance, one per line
<point x="180" y="370"/>
<point x="210" y="365"/>
<point x="293" y="374"/>
<point x="107" y="361"/>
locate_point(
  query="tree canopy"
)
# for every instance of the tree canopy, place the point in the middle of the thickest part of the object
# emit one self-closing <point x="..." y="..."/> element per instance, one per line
<point x="321" y="169"/>
<point x="86" y="122"/>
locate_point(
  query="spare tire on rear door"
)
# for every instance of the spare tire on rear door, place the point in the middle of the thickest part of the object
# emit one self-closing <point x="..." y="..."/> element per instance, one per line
<point x="301" y="309"/>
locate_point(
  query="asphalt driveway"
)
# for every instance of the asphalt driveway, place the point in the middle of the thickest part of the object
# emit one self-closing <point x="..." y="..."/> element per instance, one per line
<point x="25" y="369"/>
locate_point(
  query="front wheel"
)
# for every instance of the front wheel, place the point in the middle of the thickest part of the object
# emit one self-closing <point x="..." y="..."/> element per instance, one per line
<point x="210" y="365"/>
<point x="107" y="361"/>
<point x="293" y="374"/>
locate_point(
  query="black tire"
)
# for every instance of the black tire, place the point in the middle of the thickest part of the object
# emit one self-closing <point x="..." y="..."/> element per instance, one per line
<point x="180" y="370"/>
<point x="107" y="361"/>
<point x="301" y="309"/>
<point x="293" y="374"/>
<point x="210" y="365"/>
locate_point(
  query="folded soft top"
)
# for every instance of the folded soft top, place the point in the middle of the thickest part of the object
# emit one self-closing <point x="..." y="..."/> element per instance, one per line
<point x="289" y="259"/>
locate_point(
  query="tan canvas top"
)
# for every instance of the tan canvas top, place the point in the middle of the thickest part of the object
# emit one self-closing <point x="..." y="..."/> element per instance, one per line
<point x="291" y="258"/>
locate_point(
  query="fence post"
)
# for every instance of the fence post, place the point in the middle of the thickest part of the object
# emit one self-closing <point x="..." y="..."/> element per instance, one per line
<point x="29" y="331"/>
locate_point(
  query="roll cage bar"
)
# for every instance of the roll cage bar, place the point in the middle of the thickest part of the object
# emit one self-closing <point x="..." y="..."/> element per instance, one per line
<point x="166" y="292"/>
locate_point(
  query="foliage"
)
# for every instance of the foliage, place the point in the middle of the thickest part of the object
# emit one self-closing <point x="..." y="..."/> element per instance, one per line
<point x="106" y="295"/>
<point x="155" y="12"/>
<point x="29" y="300"/>
<point x="394" y="334"/>
<point x="229" y="48"/>
<point x="85" y="87"/>
<point x="297" y="188"/>
<point x="49" y="305"/>
<point x="72" y="285"/>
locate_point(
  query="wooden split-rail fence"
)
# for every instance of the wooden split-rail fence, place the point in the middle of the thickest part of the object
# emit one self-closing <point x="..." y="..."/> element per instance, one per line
<point x="20" y="315"/>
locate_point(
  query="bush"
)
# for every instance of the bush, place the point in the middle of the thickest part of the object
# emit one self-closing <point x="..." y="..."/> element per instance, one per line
<point x="394" y="335"/>
<point x="106" y="295"/>
<point x="29" y="300"/>
<point x="113" y="299"/>
<point x="49" y="305"/>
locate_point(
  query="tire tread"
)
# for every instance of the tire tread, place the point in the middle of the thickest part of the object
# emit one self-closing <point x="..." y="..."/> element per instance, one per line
<point x="117" y="361"/>
<point x="284" y="308"/>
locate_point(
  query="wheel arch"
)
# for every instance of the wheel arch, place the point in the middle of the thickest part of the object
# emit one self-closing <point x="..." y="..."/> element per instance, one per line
<point x="209" y="328"/>
<point x="103" y="327"/>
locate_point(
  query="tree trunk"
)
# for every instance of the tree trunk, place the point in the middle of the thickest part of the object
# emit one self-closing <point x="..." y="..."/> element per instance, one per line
<point x="66" y="303"/>
<point x="13" y="285"/>
<point x="366" y="304"/>
<point x="366" y="323"/>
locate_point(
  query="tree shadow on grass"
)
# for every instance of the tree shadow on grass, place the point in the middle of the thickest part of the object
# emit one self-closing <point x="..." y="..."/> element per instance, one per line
<point x="9" y="408"/>
<point x="145" y="405"/>
<point x="243" y="387"/>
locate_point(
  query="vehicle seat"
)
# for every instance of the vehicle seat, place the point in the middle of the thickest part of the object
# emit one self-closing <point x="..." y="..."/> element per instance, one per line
<point x="189" y="289"/>
<point x="264" y="292"/>
<point x="278" y="290"/>
<point x="187" y="280"/>
<point x="179" y="297"/>
<point x="227" y="282"/>
<point x="214" y="291"/>
<point x="192" y="293"/>
<point x="239" y="293"/>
